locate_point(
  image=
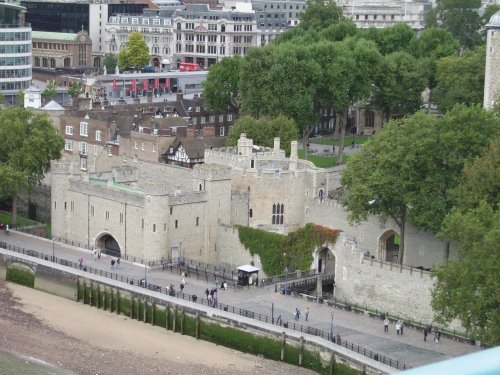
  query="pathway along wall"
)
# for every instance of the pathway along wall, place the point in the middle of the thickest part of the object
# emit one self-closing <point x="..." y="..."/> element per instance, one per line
<point x="202" y="322"/>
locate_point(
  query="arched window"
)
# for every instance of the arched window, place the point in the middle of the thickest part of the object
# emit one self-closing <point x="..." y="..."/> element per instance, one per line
<point x="178" y="25"/>
<point x="53" y="63"/>
<point x="97" y="62"/>
<point x="37" y="61"/>
<point x="67" y="62"/>
<point x="223" y="28"/>
<point x="45" y="62"/>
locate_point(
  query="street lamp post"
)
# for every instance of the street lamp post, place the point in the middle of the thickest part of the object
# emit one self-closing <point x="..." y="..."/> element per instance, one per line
<point x="216" y="297"/>
<point x="53" y="251"/>
<point x="331" y="326"/>
<point x="286" y="280"/>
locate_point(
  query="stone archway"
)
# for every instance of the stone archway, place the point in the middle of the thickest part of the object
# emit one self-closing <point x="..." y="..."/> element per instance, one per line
<point x="108" y="245"/>
<point x="389" y="247"/>
<point x="325" y="261"/>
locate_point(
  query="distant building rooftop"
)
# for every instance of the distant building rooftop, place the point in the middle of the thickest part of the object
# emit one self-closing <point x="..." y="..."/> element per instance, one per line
<point x="53" y="36"/>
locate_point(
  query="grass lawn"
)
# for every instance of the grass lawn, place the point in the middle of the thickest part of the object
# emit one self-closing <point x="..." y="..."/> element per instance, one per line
<point x="6" y="218"/>
<point x="360" y="139"/>
<point x="321" y="161"/>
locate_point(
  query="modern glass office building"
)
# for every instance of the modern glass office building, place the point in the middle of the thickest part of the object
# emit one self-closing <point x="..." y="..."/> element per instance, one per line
<point x="15" y="48"/>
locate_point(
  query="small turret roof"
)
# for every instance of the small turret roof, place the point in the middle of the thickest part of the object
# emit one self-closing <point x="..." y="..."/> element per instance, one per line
<point x="494" y="20"/>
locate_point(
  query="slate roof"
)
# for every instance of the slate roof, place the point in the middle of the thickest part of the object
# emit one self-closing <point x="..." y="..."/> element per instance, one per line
<point x="53" y="36"/>
<point x="195" y="147"/>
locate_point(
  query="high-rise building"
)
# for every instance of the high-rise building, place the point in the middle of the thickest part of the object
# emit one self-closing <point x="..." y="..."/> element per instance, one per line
<point x="15" y="48"/>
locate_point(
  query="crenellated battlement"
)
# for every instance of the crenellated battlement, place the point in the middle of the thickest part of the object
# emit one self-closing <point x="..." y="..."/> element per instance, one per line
<point x="213" y="172"/>
<point x="60" y="166"/>
<point x="156" y="187"/>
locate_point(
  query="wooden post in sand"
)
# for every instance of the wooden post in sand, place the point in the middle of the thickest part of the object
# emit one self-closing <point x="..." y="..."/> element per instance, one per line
<point x="117" y="301"/>
<point x="84" y="291"/>
<point x="132" y="307"/>
<point x="332" y="365"/>
<point x="283" y="345"/>
<point x="144" y="310"/>
<point x="301" y="351"/>
<point x="99" y="296"/>
<point x="91" y="293"/>
<point x="183" y="317"/>
<point x="174" y="318"/>
<point x="167" y="315"/>
<point x="153" y="311"/>
<point x="197" y="330"/>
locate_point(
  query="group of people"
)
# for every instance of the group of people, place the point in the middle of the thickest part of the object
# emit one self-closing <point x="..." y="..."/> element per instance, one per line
<point x="211" y="297"/>
<point x="170" y="290"/>
<point x="115" y="264"/>
<point x="399" y="326"/>
<point x="297" y="313"/>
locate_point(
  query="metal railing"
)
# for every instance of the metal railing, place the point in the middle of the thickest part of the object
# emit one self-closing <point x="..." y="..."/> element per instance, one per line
<point x="235" y="310"/>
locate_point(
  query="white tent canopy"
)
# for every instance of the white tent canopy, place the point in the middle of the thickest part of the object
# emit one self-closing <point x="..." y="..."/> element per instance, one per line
<point x="248" y="268"/>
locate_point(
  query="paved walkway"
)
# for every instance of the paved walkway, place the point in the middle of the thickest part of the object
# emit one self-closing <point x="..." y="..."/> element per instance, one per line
<point x="358" y="329"/>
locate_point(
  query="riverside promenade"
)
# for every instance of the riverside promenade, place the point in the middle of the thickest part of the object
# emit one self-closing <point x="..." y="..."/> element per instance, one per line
<point x="362" y="330"/>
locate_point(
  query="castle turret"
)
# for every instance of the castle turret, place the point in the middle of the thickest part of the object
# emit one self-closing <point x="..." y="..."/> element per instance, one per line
<point x="492" y="68"/>
<point x="245" y="145"/>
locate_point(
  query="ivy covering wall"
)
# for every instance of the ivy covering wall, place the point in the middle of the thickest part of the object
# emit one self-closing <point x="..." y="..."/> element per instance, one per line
<point x="277" y="251"/>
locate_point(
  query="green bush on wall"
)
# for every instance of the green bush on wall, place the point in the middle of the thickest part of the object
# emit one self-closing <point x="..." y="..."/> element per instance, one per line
<point x="21" y="276"/>
<point x="277" y="251"/>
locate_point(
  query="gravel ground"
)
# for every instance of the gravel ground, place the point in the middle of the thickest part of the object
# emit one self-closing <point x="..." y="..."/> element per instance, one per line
<point x="23" y="333"/>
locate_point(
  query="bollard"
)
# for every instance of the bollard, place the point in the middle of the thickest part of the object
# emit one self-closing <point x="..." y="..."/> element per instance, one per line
<point x="283" y="345"/>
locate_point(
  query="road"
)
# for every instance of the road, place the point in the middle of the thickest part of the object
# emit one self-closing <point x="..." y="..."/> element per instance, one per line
<point x="356" y="328"/>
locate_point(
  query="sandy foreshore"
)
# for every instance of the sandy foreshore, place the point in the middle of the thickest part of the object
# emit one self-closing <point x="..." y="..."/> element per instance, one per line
<point x="86" y="340"/>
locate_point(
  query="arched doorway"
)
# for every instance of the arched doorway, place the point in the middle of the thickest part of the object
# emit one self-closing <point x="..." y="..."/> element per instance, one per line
<point x="155" y="62"/>
<point x="325" y="262"/>
<point x="108" y="245"/>
<point x="389" y="247"/>
<point x="97" y="62"/>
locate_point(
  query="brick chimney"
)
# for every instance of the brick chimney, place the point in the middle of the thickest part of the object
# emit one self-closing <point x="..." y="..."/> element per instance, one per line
<point x="209" y="131"/>
<point x="179" y="96"/>
<point x="190" y="132"/>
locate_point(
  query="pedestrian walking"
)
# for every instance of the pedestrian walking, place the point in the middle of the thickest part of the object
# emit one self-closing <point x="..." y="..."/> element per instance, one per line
<point x="436" y="338"/>
<point x="398" y="327"/>
<point x="182" y="288"/>
<point x="94" y="253"/>
<point x="425" y="334"/>
<point x="112" y="264"/>
<point x="401" y="326"/>
<point x="99" y="254"/>
<point x="386" y="325"/>
<point x="295" y="313"/>
<point x="207" y="293"/>
<point x="337" y="339"/>
<point x="80" y="260"/>
<point x="117" y="263"/>
<point x="307" y="314"/>
<point x="298" y="314"/>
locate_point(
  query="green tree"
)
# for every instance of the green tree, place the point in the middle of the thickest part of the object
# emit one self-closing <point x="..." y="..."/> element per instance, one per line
<point x="480" y="180"/>
<point x="398" y="88"/>
<point x="20" y="99"/>
<point x="409" y="170"/>
<point x="136" y="53"/>
<point x="2" y="98"/>
<point x="50" y="91"/>
<point x="319" y="14"/>
<point x="110" y="62"/>
<point x="391" y="39"/>
<point x="29" y="142"/>
<point x="461" y="18"/>
<point x="263" y="131"/>
<point x="75" y="90"/>
<point x="221" y="88"/>
<point x="468" y="289"/>
<point x="460" y="79"/>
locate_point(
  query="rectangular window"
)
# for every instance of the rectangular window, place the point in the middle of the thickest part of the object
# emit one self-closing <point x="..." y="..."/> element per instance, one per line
<point x="83" y="148"/>
<point x="83" y="164"/>
<point x="69" y="130"/>
<point x="96" y="150"/>
<point x="84" y="129"/>
<point x="97" y="135"/>
<point x="154" y="227"/>
<point x="121" y="218"/>
<point x="68" y="145"/>
<point x="171" y="210"/>
<point x="135" y="145"/>
<point x="221" y="118"/>
<point x="176" y="224"/>
<point x="221" y="131"/>
<point x="142" y="146"/>
<point x="229" y="117"/>
<point x="110" y="150"/>
<point x="212" y="119"/>
<point x="107" y="215"/>
<point x="154" y="147"/>
<point x="197" y="221"/>
<point x="92" y="211"/>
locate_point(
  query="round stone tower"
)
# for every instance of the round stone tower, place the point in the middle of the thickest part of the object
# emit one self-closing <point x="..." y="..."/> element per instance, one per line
<point x="492" y="69"/>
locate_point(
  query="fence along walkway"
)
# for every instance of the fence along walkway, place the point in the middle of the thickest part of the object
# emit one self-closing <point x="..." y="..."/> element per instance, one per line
<point x="235" y="310"/>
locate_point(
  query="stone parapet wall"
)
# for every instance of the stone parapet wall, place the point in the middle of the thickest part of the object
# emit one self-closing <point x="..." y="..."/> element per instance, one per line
<point x="109" y="193"/>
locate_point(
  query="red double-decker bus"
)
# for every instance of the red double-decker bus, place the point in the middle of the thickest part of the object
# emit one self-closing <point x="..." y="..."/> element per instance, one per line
<point x="188" y="67"/>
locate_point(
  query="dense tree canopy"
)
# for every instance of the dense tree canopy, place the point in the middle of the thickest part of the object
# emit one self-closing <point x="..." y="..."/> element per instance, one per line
<point x="50" y="91"/>
<point x="221" y="88"/>
<point x="262" y="131"/>
<point x="460" y="79"/>
<point x="110" y="62"/>
<point x="408" y="171"/>
<point x="136" y="54"/>
<point x="29" y="143"/>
